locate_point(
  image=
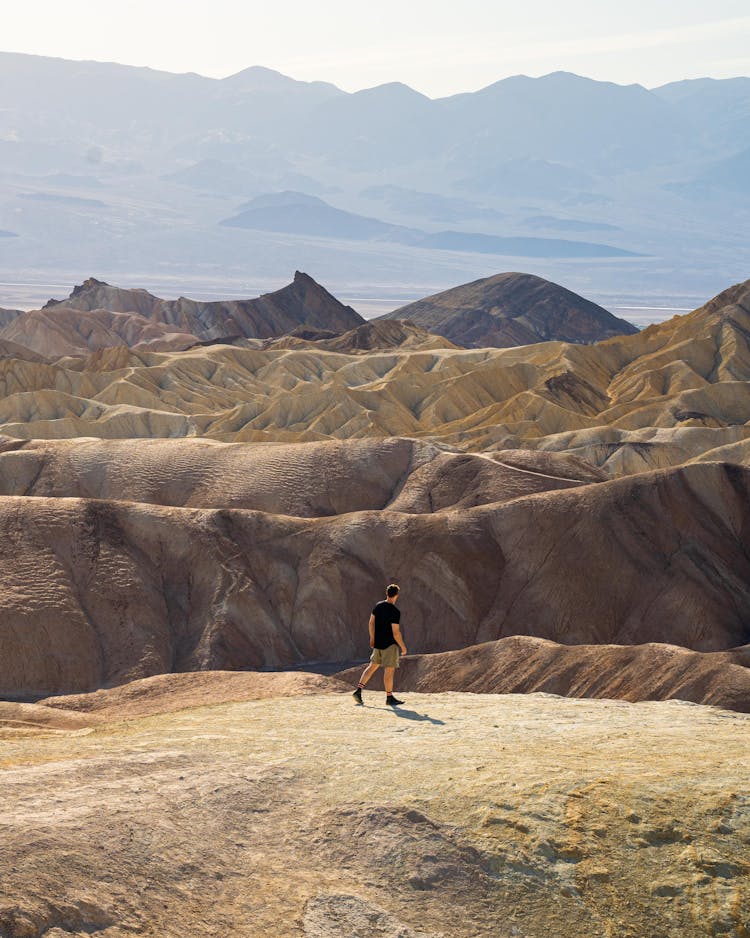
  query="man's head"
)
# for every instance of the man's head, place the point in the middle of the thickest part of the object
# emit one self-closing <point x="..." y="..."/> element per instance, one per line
<point x="392" y="592"/>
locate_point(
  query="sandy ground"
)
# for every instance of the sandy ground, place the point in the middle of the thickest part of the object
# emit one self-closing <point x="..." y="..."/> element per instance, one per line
<point x="458" y="815"/>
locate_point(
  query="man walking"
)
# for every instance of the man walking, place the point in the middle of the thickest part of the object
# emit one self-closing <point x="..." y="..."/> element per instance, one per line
<point x="386" y="643"/>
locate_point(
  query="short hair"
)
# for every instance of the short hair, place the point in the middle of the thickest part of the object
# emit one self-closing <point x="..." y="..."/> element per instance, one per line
<point x="392" y="590"/>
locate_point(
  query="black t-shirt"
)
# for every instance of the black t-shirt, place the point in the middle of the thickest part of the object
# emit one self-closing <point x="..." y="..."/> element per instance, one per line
<point x="385" y="615"/>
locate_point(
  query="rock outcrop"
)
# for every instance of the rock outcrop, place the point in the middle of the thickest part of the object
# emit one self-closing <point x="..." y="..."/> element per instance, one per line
<point x="512" y="309"/>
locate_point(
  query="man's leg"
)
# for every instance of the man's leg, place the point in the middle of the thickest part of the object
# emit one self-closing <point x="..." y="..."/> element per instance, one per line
<point x="388" y="680"/>
<point x="366" y="675"/>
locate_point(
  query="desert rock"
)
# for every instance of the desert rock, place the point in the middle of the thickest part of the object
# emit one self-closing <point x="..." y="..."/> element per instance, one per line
<point x="301" y="302"/>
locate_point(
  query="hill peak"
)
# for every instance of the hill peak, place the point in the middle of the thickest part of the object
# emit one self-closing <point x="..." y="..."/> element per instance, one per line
<point x="260" y="78"/>
<point x="511" y="309"/>
<point x="395" y="91"/>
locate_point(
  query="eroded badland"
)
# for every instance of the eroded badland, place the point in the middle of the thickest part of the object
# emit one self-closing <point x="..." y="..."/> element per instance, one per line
<point x="199" y="499"/>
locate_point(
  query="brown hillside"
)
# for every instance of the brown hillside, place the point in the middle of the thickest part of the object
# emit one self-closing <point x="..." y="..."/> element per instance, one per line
<point x="512" y="309"/>
<point x="301" y="479"/>
<point x="101" y="592"/>
<point x="60" y="330"/>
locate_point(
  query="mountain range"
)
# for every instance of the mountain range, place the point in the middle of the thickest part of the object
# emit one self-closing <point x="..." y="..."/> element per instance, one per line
<point x="128" y="170"/>
<point x="669" y="394"/>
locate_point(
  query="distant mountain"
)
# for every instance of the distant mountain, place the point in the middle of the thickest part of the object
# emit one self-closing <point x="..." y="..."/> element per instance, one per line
<point x="550" y="222"/>
<point x="717" y="109"/>
<point x="591" y="126"/>
<point x="299" y="214"/>
<point x="519" y="246"/>
<point x="213" y="175"/>
<point x="156" y="160"/>
<point x="528" y="177"/>
<point x="97" y="315"/>
<point x="429" y="205"/>
<point x="261" y="115"/>
<point x="512" y="309"/>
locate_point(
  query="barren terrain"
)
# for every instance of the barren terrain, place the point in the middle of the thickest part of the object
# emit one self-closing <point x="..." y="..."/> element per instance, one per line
<point x="458" y="815"/>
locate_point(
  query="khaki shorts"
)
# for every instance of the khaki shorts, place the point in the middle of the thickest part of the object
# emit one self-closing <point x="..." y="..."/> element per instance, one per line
<point x="387" y="657"/>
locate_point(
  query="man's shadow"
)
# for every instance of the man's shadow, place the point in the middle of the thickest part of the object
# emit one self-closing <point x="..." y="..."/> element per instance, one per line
<point x="408" y="714"/>
<point x="417" y="717"/>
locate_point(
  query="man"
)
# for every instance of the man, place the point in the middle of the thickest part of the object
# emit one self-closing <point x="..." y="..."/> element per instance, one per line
<point x="386" y="643"/>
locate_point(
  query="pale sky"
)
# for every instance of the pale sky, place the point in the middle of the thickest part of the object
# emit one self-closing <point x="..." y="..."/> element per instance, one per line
<point x="437" y="47"/>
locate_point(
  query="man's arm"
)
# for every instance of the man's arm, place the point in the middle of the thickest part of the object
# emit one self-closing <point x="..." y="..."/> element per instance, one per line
<point x="397" y="635"/>
<point x="371" y="627"/>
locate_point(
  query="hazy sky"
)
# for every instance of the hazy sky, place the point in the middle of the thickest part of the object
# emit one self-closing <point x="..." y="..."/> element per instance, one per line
<point x="435" y="46"/>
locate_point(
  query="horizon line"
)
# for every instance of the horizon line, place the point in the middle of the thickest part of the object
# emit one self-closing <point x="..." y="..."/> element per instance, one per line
<point x="275" y="71"/>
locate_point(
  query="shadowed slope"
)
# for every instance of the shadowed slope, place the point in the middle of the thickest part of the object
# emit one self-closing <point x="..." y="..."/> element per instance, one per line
<point x="96" y="592"/>
<point x="12" y="350"/>
<point x="381" y="334"/>
<point x="8" y="315"/>
<point x="522" y="665"/>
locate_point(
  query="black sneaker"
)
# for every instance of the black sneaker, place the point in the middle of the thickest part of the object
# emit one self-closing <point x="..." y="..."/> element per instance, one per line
<point x="391" y="701"/>
<point x="357" y="695"/>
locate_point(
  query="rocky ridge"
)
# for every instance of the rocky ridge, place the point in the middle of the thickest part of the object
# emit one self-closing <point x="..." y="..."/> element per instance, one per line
<point x="522" y="665"/>
<point x="97" y="315"/>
